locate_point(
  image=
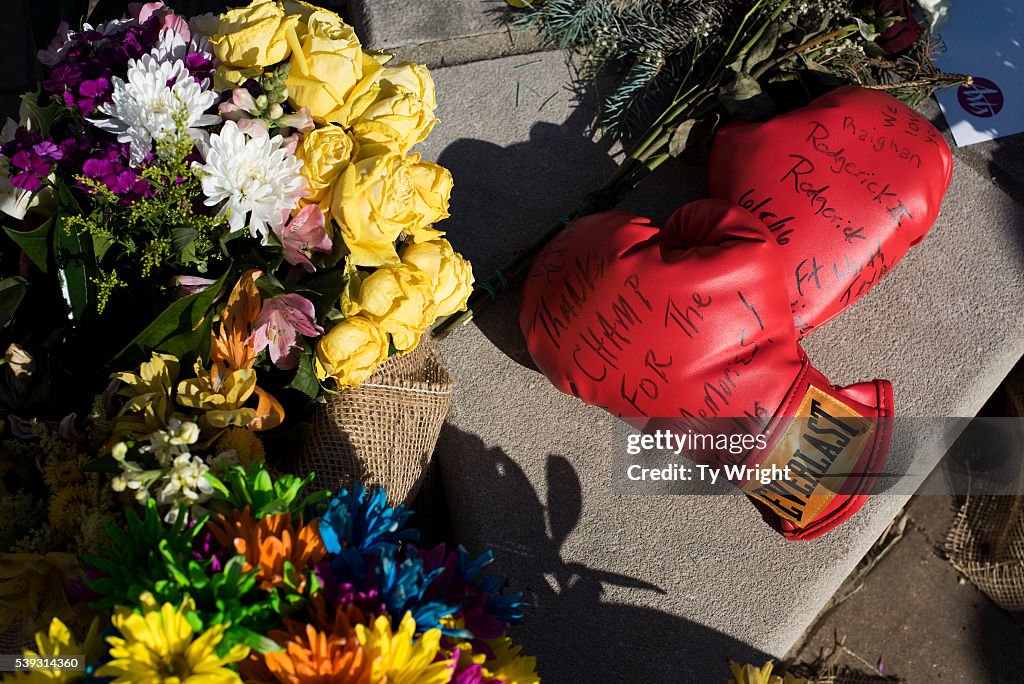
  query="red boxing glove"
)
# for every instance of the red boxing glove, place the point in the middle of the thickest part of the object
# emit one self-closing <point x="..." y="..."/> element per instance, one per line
<point x="689" y="336"/>
<point x="847" y="185"/>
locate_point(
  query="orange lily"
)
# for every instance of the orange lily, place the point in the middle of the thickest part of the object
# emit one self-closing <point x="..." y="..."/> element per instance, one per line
<point x="232" y="350"/>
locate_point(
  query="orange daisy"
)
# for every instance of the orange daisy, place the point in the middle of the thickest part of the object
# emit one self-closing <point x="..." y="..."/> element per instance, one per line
<point x="269" y="542"/>
<point x="313" y="656"/>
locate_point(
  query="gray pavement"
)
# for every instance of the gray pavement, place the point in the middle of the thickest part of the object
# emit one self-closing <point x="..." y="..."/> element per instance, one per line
<point x="916" y="615"/>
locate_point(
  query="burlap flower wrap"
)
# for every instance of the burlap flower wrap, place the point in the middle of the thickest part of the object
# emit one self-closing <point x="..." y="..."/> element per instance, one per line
<point x="986" y="540"/>
<point x="382" y="432"/>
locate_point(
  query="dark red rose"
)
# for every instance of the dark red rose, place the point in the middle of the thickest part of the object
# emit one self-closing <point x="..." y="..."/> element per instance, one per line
<point x="903" y="33"/>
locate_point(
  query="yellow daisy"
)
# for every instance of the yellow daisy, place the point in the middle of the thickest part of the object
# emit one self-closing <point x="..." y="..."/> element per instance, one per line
<point x="748" y="674"/>
<point x="509" y="666"/>
<point x="247" y="446"/>
<point x="159" y="647"/>
<point x="398" y="658"/>
<point x="58" y="642"/>
<point x="64" y="471"/>
<point x="68" y="507"/>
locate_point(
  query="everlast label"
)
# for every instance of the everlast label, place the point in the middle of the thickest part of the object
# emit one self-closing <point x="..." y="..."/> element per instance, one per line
<point x="820" y="447"/>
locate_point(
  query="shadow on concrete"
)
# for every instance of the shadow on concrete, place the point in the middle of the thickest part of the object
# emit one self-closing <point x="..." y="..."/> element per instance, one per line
<point x="576" y="632"/>
<point x="505" y="197"/>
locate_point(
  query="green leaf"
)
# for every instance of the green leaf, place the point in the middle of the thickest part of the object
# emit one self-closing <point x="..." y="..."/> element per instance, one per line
<point x="196" y="339"/>
<point x="262" y="483"/>
<point x="680" y="137"/>
<point x="324" y="290"/>
<point x="305" y="378"/>
<point x="269" y="285"/>
<point x="764" y="48"/>
<point x="35" y="243"/>
<point x="183" y="243"/>
<point x="257" y="641"/>
<point x="100" y="245"/>
<point x="42" y="116"/>
<point x="743" y="97"/>
<point x="75" y="262"/>
<point x="67" y="200"/>
<point x="103" y="464"/>
<point x="873" y="50"/>
<point x="188" y="314"/>
<point x="866" y="30"/>
<point x="218" y="485"/>
<point x="12" y="292"/>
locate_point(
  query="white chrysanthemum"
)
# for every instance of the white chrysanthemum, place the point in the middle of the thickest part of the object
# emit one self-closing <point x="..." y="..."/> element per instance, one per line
<point x="256" y="178"/>
<point x="171" y="46"/>
<point x="143" y="108"/>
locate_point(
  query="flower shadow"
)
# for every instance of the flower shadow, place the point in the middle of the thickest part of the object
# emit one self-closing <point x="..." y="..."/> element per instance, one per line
<point x="578" y="626"/>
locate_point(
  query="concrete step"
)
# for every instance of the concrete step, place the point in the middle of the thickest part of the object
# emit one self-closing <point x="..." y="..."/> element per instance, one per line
<point x="397" y="23"/>
<point x="669" y="588"/>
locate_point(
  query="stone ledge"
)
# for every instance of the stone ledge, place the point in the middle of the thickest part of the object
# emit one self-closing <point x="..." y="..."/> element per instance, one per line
<point x="386" y="24"/>
<point x="669" y="588"/>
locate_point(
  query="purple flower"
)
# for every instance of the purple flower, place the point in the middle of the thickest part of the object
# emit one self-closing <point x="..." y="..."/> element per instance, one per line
<point x="108" y="165"/>
<point x="206" y="547"/>
<point x="31" y="158"/>
<point x="279" y="324"/>
<point x="303" y="235"/>
<point x="200" y="65"/>
<point x="92" y="93"/>
<point x="83" y="63"/>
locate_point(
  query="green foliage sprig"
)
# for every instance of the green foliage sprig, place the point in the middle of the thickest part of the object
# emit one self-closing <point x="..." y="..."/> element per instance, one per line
<point x="162" y="229"/>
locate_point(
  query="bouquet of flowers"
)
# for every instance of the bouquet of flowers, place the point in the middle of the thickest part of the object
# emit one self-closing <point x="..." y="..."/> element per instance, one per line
<point x="165" y="162"/>
<point x="278" y="583"/>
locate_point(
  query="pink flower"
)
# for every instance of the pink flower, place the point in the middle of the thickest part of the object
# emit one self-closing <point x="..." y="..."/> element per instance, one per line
<point x="189" y="285"/>
<point x="302" y="121"/>
<point x="141" y="12"/>
<point x="280" y="321"/>
<point x="303" y="235"/>
<point x="177" y="25"/>
<point x="240" y="106"/>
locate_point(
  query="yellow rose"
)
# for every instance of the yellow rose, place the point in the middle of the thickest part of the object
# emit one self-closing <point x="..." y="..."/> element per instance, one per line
<point x="432" y="190"/>
<point x="253" y="36"/>
<point x="325" y="152"/>
<point x="226" y="78"/>
<point x="372" y="204"/>
<point x="352" y="279"/>
<point x="351" y="351"/>
<point x="327" y="65"/>
<point x="395" y="121"/>
<point x="399" y="299"/>
<point x="366" y="91"/>
<point x="416" y="79"/>
<point x="304" y="10"/>
<point x="450" y="275"/>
